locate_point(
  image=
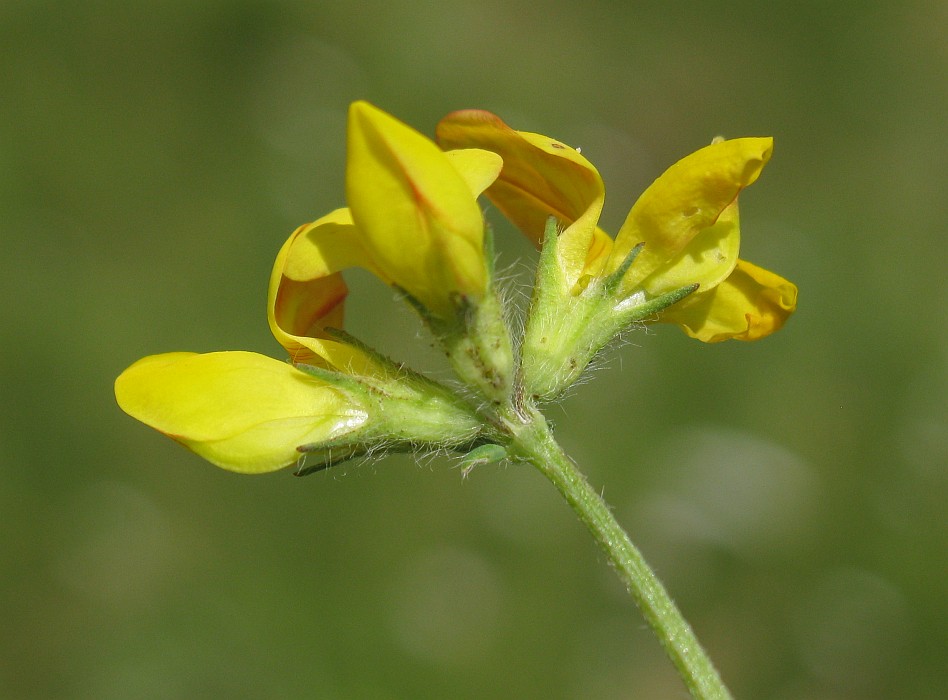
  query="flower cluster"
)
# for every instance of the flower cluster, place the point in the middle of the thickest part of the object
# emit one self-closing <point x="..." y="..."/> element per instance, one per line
<point x="413" y="220"/>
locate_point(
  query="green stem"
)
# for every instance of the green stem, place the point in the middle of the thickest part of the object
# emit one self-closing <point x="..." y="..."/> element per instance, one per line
<point x="533" y="442"/>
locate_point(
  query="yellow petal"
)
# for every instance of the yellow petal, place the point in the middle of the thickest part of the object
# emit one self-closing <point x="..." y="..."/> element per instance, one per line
<point x="420" y="222"/>
<point x="686" y="199"/>
<point x="241" y="411"/>
<point x="477" y="167"/>
<point x="600" y="249"/>
<point x="541" y="178"/>
<point x="306" y="292"/>
<point x="750" y="304"/>
<point x="707" y="260"/>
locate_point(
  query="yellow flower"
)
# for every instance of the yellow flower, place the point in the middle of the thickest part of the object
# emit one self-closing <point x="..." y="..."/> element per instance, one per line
<point x="247" y="412"/>
<point x="414" y="222"/>
<point x="687" y="220"/>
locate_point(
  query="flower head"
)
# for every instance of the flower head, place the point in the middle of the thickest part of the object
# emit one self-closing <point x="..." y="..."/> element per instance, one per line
<point x="413" y="221"/>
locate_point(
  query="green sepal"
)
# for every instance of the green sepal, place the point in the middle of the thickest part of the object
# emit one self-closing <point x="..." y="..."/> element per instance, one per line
<point x="401" y="376"/>
<point x="638" y="312"/>
<point x="407" y="412"/>
<point x="612" y="283"/>
<point x="554" y="325"/>
<point x="345" y="382"/>
<point x="549" y="285"/>
<point x="328" y="457"/>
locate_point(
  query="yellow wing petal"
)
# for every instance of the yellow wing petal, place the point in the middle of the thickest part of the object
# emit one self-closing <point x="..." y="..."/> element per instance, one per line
<point x="708" y="258"/>
<point x="306" y="292"/>
<point x="750" y="304"/>
<point x="685" y="200"/>
<point x="477" y="167"/>
<point x="241" y="411"/>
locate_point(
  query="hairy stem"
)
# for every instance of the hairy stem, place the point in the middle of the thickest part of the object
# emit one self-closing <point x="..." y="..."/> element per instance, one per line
<point x="533" y="442"/>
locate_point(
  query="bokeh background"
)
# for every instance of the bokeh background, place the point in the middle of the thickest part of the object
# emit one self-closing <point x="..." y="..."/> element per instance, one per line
<point x="791" y="493"/>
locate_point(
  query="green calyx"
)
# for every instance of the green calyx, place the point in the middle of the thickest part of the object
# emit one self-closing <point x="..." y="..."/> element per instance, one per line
<point x="565" y="330"/>
<point x="407" y="412"/>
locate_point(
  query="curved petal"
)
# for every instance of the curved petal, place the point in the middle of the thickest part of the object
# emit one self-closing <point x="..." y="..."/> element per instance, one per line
<point x="686" y="199"/>
<point x="750" y="304"/>
<point x="306" y="292"/>
<point x="541" y="178"/>
<point x="239" y="410"/>
<point x="708" y="259"/>
<point x="419" y="220"/>
<point x="600" y="250"/>
<point x="477" y="167"/>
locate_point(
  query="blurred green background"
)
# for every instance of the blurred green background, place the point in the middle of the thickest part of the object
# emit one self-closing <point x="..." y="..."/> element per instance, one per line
<point x="791" y="493"/>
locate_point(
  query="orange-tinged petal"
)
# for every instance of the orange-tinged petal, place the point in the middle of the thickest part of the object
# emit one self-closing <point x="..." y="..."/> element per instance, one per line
<point x="419" y="220"/>
<point x="239" y="410"/>
<point x="686" y="199"/>
<point x="750" y="304"/>
<point x="306" y="292"/>
<point x="541" y="177"/>
<point x="330" y="244"/>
